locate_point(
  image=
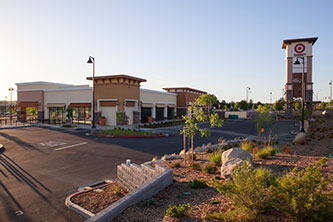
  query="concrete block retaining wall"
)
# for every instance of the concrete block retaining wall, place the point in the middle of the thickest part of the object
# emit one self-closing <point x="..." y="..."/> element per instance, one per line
<point x="134" y="176"/>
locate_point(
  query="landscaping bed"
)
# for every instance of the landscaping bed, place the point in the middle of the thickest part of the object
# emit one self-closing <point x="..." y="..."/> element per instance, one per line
<point x="98" y="199"/>
<point x="163" y="124"/>
<point x="194" y="195"/>
<point x="207" y="200"/>
<point x="126" y="133"/>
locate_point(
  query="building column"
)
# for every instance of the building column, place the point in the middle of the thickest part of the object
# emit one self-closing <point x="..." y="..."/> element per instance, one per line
<point x="153" y="112"/>
<point x="165" y="112"/>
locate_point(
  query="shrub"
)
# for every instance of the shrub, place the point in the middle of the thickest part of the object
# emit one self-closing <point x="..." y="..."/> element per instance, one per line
<point x="246" y="145"/>
<point x="215" y="158"/>
<point x="208" y="150"/>
<point x="287" y="149"/>
<point x="209" y="168"/>
<point x="266" y="152"/>
<point x="263" y="154"/>
<point x="303" y="194"/>
<point x="194" y="166"/>
<point x="181" y="210"/>
<point x="212" y="202"/>
<point x="198" y="184"/>
<point x="250" y="190"/>
<point x="226" y="147"/>
<point x="116" y="190"/>
<point x="255" y="150"/>
<point x="148" y="202"/>
<point x="67" y="125"/>
<point x="175" y="165"/>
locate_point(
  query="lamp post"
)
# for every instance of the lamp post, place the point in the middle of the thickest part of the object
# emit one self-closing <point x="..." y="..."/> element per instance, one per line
<point x="330" y="83"/>
<point x="303" y="89"/>
<point x="11" y="103"/>
<point x="270" y="98"/>
<point x="6" y="105"/>
<point x="91" y="60"/>
<point x="247" y="93"/>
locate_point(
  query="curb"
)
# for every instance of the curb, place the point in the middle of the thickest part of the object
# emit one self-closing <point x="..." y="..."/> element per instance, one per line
<point x="76" y="208"/>
<point x="93" y="185"/>
<point x="111" y="136"/>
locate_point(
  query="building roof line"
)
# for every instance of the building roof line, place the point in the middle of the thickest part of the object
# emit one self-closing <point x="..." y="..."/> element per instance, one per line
<point x="157" y="91"/>
<point x="43" y="82"/>
<point x="118" y="77"/>
<point x="187" y="88"/>
<point x="311" y="40"/>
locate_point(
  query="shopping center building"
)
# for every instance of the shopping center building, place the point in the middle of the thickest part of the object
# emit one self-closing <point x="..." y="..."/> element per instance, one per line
<point x="118" y="98"/>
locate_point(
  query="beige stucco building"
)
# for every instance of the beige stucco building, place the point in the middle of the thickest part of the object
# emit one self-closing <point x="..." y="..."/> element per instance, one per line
<point x="118" y="98"/>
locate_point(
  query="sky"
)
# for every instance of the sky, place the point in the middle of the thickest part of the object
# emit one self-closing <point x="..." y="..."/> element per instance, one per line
<point x="219" y="46"/>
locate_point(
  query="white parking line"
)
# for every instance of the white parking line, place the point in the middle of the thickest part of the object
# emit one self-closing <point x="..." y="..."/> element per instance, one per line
<point x="66" y="147"/>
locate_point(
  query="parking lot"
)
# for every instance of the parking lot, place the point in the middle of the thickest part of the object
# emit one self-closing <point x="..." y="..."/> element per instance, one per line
<point x="40" y="166"/>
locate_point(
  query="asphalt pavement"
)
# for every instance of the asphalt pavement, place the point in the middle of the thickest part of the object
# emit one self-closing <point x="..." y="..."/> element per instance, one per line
<point x="40" y="166"/>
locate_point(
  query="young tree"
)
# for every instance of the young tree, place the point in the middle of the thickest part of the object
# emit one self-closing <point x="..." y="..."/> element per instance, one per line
<point x="208" y="101"/>
<point x="297" y="106"/>
<point x="32" y="111"/>
<point x="264" y="119"/>
<point x="197" y="115"/>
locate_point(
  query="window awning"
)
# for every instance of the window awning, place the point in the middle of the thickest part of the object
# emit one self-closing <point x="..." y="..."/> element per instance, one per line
<point x="108" y="103"/>
<point x="79" y="105"/>
<point x="56" y="104"/>
<point x="130" y="103"/>
<point x="147" y="105"/>
<point x="160" y="105"/>
<point x="24" y="104"/>
<point x="171" y="105"/>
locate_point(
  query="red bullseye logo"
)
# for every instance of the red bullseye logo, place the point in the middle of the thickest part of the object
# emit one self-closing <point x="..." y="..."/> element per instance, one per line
<point x="299" y="48"/>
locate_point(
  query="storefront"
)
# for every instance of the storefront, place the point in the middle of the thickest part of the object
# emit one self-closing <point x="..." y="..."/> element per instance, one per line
<point x="81" y="112"/>
<point x="118" y="98"/>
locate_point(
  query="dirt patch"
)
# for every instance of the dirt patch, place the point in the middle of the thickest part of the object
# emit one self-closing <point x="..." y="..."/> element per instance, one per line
<point x="99" y="199"/>
<point x="208" y="200"/>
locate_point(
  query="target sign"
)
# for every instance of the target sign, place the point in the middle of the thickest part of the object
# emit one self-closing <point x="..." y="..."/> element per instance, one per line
<point x="299" y="48"/>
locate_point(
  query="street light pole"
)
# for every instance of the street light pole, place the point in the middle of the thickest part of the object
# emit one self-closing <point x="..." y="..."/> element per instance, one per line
<point x="247" y="93"/>
<point x="330" y="83"/>
<point x="11" y="103"/>
<point x="303" y="90"/>
<point x="93" y="126"/>
<point x="270" y="98"/>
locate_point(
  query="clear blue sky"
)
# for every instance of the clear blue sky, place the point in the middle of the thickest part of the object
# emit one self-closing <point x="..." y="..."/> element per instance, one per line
<point x="217" y="46"/>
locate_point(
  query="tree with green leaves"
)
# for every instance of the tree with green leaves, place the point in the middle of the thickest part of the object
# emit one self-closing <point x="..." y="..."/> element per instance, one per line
<point x="278" y="106"/>
<point x="322" y="105"/>
<point x="196" y="114"/>
<point x="69" y="114"/>
<point x="209" y="101"/>
<point x="32" y="111"/>
<point x="297" y="106"/>
<point x="241" y="105"/>
<point x="264" y="119"/>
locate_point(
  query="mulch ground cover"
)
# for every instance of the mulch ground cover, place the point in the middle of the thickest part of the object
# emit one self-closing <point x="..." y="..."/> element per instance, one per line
<point x="208" y="200"/>
<point x="99" y="199"/>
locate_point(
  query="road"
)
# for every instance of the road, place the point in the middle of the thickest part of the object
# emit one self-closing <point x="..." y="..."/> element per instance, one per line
<point x="40" y="166"/>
